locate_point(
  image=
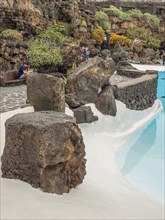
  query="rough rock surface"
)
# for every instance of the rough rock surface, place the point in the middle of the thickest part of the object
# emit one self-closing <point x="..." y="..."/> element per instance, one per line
<point x="124" y="68"/>
<point x="139" y="93"/>
<point x="36" y="153"/>
<point x="132" y="73"/>
<point x="84" y="114"/>
<point x="106" y="55"/>
<point x="46" y="92"/>
<point x="72" y="56"/>
<point x="106" y="102"/>
<point x="73" y="101"/>
<point x="137" y="45"/>
<point x="125" y="65"/>
<point x="86" y="80"/>
<point x="13" y="54"/>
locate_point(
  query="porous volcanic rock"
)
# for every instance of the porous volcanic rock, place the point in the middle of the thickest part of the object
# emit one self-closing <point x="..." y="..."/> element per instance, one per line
<point x="73" y="101"/>
<point x="46" y="92"/>
<point x="84" y="114"/>
<point x="86" y="80"/>
<point x="106" y="102"/>
<point x="45" y="149"/>
<point x="124" y="68"/>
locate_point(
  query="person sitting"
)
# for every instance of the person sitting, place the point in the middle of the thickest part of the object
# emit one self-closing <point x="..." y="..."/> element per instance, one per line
<point x="24" y="70"/>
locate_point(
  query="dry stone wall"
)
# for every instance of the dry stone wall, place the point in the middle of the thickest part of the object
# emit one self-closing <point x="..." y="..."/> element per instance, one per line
<point x="139" y="93"/>
<point x="12" y="54"/>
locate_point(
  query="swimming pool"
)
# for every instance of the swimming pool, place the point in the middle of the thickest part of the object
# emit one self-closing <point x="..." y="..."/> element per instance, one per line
<point x="141" y="158"/>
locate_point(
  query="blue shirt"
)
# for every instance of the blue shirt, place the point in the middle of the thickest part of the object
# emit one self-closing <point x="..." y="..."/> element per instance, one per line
<point x="21" y="70"/>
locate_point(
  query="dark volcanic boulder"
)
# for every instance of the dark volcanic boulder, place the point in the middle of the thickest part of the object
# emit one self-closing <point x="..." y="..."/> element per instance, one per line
<point x="84" y="114"/>
<point x="46" y="92"/>
<point x="106" y="102"/>
<point x="124" y="68"/>
<point x="72" y="56"/>
<point x="86" y="80"/>
<point x="106" y="55"/>
<point x="73" y="101"/>
<point x="45" y="149"/>
<point x="125" y="65"/>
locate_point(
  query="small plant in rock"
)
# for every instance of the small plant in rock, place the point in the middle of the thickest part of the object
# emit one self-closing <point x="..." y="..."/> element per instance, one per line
<point x="98" y="35"/>
<point x="69" y="72"/>
<point x="83" y="24"/>
<point x="123" y="40"/>
<point x="11" y="34"/>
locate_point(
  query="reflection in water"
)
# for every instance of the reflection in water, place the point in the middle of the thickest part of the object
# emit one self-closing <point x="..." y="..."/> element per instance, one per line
<point x="138" y="150"/>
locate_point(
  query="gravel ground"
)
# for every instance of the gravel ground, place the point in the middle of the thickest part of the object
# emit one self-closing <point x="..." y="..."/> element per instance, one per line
<point x="12" y="97"/>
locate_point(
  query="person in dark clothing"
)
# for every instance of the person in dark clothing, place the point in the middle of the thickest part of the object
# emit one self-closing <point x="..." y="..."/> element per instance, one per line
<point x="106" y="41"/>
<point x="86" y="53"/>
<point x="24" y="70"/>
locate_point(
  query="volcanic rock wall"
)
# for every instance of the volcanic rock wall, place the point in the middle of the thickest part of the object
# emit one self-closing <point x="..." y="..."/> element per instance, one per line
<point x="139" y="93"/>
<point x="12" y="54"/>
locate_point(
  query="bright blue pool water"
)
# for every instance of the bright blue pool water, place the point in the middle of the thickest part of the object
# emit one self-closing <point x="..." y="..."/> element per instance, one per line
<point x="141" y="158"/>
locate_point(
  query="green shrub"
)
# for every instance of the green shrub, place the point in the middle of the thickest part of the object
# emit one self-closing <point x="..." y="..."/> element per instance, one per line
<point x="103" y="20"/>
<point x="68" y="28"/>
<point x="105" y="25"/>
<point x="152" y="20"/>
<point x="135" y="13"/>
<point x="11" y="35"/>
<point x="38" y="29"/>
<point x="55" y="27"/>
<point x="145" y="35"/>
<point x="42" y="54"/>
<point x="52" y="36"/>
<point x="64" y="28"/>
<point x="119" y="13"/>
<point x="100" y="15"/>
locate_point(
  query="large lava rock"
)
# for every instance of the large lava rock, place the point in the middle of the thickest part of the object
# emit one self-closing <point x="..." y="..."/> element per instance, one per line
<point x="46" y="92"/>
<point x="88" y="78"/>
<point x="45" y="149"/>
<point x="124" y="68"/>
<point x="106" y="102"/>
<point x="73" y="101"/>
<point x="72" y="55"/>
<point x="106" y="55"/>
